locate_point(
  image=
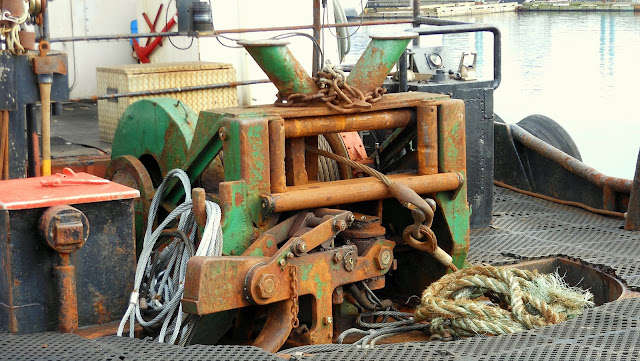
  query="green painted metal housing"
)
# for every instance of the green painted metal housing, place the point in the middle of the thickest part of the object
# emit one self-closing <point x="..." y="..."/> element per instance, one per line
<point x="158" y="130"/>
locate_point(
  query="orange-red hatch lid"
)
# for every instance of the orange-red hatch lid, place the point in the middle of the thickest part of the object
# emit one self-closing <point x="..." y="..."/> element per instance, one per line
<point x="68" y="188"/>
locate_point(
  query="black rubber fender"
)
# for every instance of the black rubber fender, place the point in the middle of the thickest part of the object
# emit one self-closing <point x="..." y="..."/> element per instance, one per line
<point x="549" y="131"/>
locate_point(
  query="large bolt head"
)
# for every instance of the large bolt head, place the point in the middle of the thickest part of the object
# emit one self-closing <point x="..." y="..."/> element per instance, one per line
<point x="267" y="286"/>
<point x="384" y="259"/>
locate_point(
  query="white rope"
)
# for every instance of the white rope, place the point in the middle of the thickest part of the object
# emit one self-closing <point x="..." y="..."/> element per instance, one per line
<point x="12" y="33"/>
<point x="159" y="279"/>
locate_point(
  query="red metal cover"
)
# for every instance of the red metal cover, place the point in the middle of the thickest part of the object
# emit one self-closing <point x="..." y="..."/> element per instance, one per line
<point x="31" y="193"/>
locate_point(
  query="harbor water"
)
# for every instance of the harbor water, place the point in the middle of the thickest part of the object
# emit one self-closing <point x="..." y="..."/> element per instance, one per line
<point x="580" y="69"/>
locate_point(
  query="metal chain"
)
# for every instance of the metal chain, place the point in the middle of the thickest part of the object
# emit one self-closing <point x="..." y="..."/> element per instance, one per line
<point x="293" y="272"/>
<point x="335" y="93"/>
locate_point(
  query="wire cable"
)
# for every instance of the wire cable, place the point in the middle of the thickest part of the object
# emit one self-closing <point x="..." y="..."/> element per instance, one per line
<point x="166" y="22"/>
<point x="161" y="271"/>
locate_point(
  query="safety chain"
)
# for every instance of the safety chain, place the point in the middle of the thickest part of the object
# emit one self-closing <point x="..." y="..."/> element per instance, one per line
<point x="335" y="93"/>
<point x="293" y="272"/>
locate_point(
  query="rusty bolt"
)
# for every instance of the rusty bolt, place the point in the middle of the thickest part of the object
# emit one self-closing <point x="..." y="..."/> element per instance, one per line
<point x="282" y="262"/>
<point x="301" y="246"/>
<point x="337" y="257"/>
<point x="351" y="218"/>
<point x="384" y="258"/>
<point x="350" y="260"/>
<point x="339" y="225"/>
<point x="267" y="286"/>
<point x="289" y="255"/>
<point x="222" y="133"/>
<point x="328" y="320"/>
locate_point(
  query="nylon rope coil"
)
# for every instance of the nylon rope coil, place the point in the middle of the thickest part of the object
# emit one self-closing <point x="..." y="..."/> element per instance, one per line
<point x="492" y="301"/>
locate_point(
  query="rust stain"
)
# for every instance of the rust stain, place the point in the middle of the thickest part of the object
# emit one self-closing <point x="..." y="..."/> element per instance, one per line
<point x="239" y="199"/>
<point x="100" y="309"/>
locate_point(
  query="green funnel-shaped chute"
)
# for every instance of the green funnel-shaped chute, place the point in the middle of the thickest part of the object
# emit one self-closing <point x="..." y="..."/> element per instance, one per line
<point x="377" y="60"/>
<point x="282" y="68"/>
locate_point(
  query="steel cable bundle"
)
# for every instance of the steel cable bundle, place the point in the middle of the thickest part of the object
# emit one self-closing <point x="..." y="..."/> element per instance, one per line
<point x="161" y="271"/>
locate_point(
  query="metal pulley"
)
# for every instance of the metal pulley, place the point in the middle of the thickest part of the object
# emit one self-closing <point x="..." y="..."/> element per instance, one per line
<point x="194" y="17"/>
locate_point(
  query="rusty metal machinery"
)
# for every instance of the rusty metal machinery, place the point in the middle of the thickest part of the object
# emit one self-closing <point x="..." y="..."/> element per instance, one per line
<point x="67" y="252"/>
<point x="294" y="248"/>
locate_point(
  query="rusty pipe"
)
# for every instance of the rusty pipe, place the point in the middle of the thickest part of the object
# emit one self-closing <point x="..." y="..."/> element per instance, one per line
<point x="356" y="190"/>
<point x="387" y="119"/>
<point x="427" y="148"/>
<point x="317" y="33"/>
<point x="277" y="155"/>
<point x="568" y="162"/>
<point x="227" y="31"/>
<point x="277" y="328"/>
<point x="65" y="275"/>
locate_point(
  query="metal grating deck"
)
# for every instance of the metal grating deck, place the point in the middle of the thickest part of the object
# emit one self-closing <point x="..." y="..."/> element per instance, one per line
<point x="524" y="228"/>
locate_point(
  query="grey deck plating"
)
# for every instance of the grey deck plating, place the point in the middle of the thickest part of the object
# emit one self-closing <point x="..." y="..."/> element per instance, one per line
<point x="524" y="228"/>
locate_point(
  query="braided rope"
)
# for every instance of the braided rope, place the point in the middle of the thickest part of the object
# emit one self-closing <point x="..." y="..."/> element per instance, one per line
<point x="12" y="31"/>
<point x="529" y="299"/>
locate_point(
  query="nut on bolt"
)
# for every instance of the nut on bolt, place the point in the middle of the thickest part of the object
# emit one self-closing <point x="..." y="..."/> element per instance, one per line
<point x="267" y="286"/>
<point x="299" y="246"/>
<point x="384" y="259"/>
<point x="222" y="133"/>
<point x="339" y="225"/>
<point x="328" y="320"/>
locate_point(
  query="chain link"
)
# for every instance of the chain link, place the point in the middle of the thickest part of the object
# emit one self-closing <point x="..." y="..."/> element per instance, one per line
<point x="293" y="272"/>
<point x="335" y="93"/>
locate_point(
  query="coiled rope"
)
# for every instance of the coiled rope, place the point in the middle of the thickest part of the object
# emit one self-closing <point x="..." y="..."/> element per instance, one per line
<point x="457" y="303"/>
<point x="12" y="32"/>
<point x="492" y="301"/>
<point x="160" y="274"/>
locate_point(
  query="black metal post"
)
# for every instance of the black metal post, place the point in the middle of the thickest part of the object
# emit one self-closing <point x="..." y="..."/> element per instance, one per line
<point x="45" y="22"/>
<point x="416" y="20"/>
<point x="402" y="73"/>
<point x="317" y="28"/>
<point x="33" y="142"/>
<point x="633" y="212"/>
